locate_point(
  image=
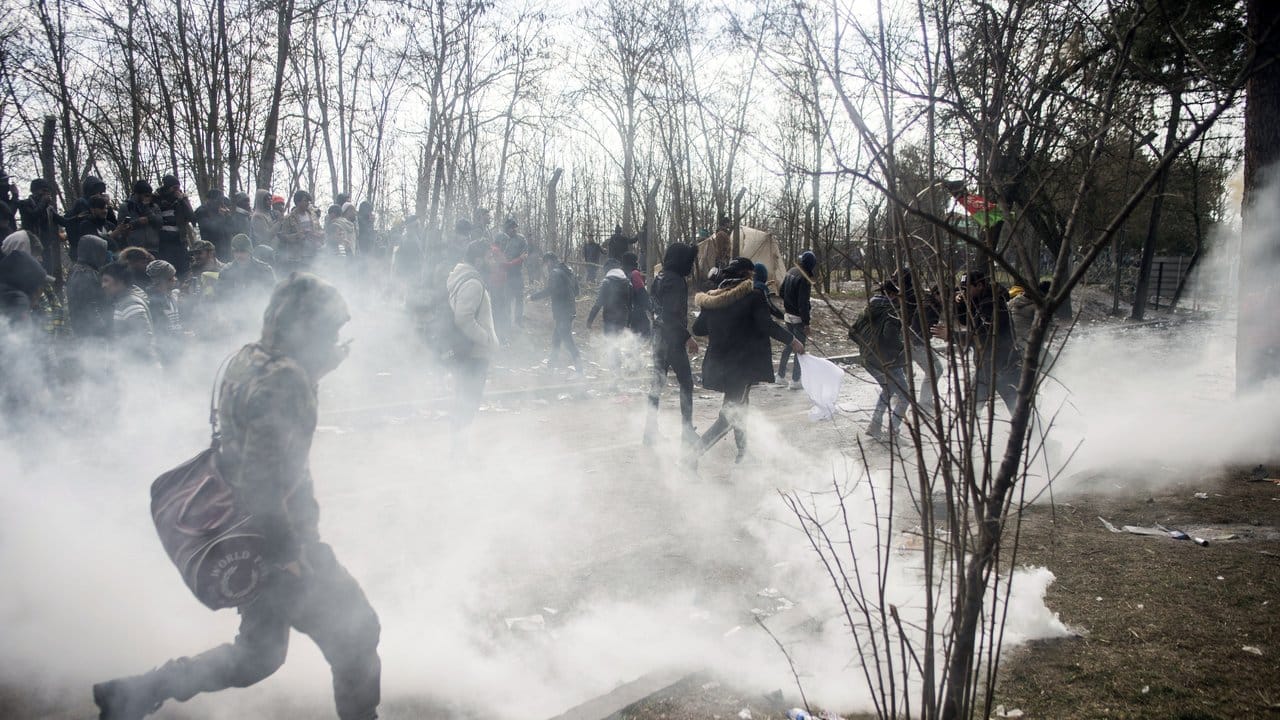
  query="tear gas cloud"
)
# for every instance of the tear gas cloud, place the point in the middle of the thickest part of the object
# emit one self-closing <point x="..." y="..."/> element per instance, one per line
<point x="555" y="512"/>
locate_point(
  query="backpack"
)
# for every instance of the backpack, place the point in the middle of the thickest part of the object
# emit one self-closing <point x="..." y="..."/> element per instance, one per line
<point x="215" y="545"/>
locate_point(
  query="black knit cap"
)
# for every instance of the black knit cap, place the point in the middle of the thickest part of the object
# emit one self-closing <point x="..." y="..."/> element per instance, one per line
<point x="739" y="267"/>
<point x="142" y="187"/>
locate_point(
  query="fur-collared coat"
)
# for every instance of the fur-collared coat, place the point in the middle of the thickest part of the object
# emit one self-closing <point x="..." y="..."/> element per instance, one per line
<point x="736" y="319"/>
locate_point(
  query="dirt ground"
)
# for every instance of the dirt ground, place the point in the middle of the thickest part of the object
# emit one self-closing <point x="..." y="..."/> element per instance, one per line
<point x="1162" y="624"/>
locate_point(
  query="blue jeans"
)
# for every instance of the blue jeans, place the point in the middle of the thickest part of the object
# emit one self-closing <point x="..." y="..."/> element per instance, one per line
<point x="797" y="331"/>
<point x="893" y="391"/>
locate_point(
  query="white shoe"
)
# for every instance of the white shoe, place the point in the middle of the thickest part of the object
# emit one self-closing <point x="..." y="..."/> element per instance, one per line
<point x="796" y="385"/>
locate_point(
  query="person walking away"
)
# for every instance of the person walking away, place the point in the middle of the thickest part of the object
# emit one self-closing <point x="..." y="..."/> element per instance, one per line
<point x="672" y="342"/>
<point x="877" y="331"/>
<point x="735" y="319"/>
<point x="162" y="305"/>
<point x="639" y="320"/>
<point x="761" y="282"/>
<point x="986" y="329"/>
<point x="562" y="289"/>
<point x="797" y="309"/>
<point x="131" y="328"/>
<point x="474" y="336"/>
<point x="176" y="217"/>
<point x="918" y="314"/>
<point x="613" y="304"/>
<point x="515" y="251"/>
<point x="88" y="311"/>
<point x="267" y="414"/>
<point x="592" y="253"/>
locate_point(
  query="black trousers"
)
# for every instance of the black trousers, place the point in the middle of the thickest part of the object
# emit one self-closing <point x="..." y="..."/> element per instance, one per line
<point x="562" y="335"/>
<point x="325" y="603"/>
<point x="469" y="376"/>
<point x="671" y="356"/>
<point x="1004" y="383"/>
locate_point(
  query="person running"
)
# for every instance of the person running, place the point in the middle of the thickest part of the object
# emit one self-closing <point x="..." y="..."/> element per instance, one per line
<point x="672" y="342"/>
<point x="877" y="331"/>
<point x="267" y="417"/>
<point x="735" y="319"/>
<point x="795" y="290"/>
<point x="562" y="289"/>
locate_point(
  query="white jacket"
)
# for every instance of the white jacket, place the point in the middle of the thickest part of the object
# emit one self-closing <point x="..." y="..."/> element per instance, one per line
<point x="472" y="313"/>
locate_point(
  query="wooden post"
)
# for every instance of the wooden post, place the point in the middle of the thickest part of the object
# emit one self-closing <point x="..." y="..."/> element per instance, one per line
<point x="553" y="217"/>
<point x="737" y="223"/>
<point x="651" y="227"/>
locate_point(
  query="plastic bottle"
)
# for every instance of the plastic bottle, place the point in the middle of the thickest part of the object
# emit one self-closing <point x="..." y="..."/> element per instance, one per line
<point x="798" y="714"/>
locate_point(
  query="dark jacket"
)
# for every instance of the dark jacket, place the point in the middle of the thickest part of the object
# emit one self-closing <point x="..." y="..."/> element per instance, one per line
<point x="614" y="300"/>
<point x="618" y="245"/>
<point x="21" y="278"/>
<point x="175" y="215"/>
<point x="592" y="252"/>
<point x="736" y="319"/>
<point x="639" y="321"/>
<point x="878" y="333"/>
<point x="240" y="279"/>
<point x="796" y="287"/>
<point x="988" y="329"/>
<point x="669" y="294"/>
<point x="88" y="310"/>
<point x="144" y="220"/>
<point x="562" y="288"/>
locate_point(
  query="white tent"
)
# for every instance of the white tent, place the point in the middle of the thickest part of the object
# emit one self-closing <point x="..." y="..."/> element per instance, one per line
<point x="758" y="245"/>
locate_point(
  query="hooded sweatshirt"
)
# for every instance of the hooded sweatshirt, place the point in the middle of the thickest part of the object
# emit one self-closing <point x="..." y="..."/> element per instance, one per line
<point x="88" y="309"/>
<point x="131" y="325"/>
<point x="21" y="277"/>
<point x="472" y="312"/>
<point x="267" y="410"/>
<point x="614" y="300"/>
<point x="669" y="293"/>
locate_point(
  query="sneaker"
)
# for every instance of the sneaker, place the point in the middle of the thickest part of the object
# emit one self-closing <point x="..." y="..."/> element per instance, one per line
<point x="780" y="379"/>
<point x="690" y="436"/>
<point x="796" y="385"/>
<point x="125" y="699"/>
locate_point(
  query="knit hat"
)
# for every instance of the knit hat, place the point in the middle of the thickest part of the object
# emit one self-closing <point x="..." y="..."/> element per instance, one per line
<point x="169" y="181"/>
<point x="241" y="243"/>
<point x="201" y="245"/>
<point x="142" y="187"/>
<point x="41" y="185"/>
<point x="808" y="261"/>
<point x="160" y="270"/>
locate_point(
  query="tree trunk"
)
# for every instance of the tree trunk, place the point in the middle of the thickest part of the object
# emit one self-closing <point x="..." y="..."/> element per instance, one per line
<point x="271" y="127"/>
<point x="1157" y="203"/>
<point x="1257" y="342"/>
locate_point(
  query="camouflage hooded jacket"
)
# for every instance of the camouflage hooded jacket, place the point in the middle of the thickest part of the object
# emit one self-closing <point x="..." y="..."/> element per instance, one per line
<point x="267" y="416"/>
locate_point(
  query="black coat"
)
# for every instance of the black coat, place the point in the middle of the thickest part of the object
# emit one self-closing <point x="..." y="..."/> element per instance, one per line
<point x="736" y="319"/>
<point x="795" y="290"/>
<point x="669" y="294"/>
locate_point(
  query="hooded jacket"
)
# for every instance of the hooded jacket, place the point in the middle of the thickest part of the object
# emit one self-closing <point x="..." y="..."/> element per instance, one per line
<point x="639" y="320"/>
<point x="796" y="288"/>
<point x="613" y="302"/>
<point x="144" y="235"/>
<point x="735" y="317"/>
<point x="562" y="288"/>
<point x="989" y="329"/>
<point x="472" y="311"/>
<point x="21" y="277"/>
<point x="878" y="333"/>
<point x="669" y="294"/>
<point x="87" y="307"/>
<point x="267" y="410"/>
